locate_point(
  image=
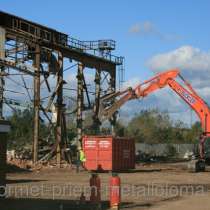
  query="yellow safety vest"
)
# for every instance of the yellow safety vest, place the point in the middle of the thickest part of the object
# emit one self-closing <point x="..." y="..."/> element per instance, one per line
<point x="82" y="156"/>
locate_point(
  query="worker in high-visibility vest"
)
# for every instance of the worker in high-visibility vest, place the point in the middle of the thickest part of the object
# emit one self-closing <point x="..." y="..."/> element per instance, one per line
<point x="82" y="157"/>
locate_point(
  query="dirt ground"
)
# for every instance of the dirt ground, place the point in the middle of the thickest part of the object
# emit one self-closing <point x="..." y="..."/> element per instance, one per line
<point x="151" y="186"/>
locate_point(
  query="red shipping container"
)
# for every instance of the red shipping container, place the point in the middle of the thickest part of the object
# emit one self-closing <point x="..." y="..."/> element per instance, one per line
<point x="108" y="153"/>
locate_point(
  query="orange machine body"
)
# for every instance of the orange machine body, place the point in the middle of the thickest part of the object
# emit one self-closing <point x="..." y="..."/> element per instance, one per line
<point x="187" y="94"/>
<point x="95" y="189"/>
<point x="115" y="191"/>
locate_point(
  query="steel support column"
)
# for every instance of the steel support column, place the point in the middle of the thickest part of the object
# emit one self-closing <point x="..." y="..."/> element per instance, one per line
<point x="80" y="100"/>
<point x="96" y="122"/>
<point x="112" y="88"/>
<point x="36" y="103"/>
<point x="2" y="56"/>
<point x="1" y="92"/>
<point x="59" y="108"/>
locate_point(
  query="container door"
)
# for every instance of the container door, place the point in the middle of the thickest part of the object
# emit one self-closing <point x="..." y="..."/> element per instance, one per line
<point x="105" y="153"/>
<point x="90" y="149"/>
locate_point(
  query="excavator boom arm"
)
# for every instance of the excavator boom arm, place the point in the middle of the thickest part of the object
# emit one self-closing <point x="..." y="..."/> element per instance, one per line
<point x="160" y="81"/>
<point x="157" y="82"/>
<point x="195" y="102"/>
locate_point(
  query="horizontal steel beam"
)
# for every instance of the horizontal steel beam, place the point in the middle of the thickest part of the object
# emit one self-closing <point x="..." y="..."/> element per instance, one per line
<point x="20" y="67"/>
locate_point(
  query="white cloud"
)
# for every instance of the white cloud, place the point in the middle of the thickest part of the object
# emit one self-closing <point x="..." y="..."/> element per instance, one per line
<point x="148" y="29"/>
<point x="186" y="58"/>
<point x="194" y="65"/>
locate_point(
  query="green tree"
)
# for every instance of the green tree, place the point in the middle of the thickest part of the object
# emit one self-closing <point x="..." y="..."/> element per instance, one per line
<point x="193" y="134"/>
<point x="153" y="126"/>
<point x="150" y="127"/>
<point x="120" y="129"/>
<point x="21" y="133"/>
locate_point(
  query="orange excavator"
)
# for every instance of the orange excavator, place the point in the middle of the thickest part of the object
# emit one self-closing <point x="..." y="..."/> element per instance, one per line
<point x="188" y="94"/>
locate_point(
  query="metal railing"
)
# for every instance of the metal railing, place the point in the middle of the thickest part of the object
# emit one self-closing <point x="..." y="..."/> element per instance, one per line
<point x="95" y="48"/>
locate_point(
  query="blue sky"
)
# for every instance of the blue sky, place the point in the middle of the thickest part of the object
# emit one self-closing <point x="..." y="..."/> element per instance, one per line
<point x="151" y="34"/>
<point x="92" y="20"/>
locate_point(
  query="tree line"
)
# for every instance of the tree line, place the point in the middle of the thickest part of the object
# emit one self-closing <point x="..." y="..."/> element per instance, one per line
<point x="150" y="127"/>
<point x="153" y="126"/>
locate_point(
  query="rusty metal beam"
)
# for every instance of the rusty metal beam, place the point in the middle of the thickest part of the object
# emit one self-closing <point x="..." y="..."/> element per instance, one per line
<point x="88" y="60"/>
<point x="20" y="29"/>
<point x="59" y="107"/>
<point x="96" y="122"/>
<point x="52" y="41"/>
<point x="2" y="56"/>
<point x="112" y="88"/>
<point x="36" y="104"/>
<point x="18" y="67"/>
<point x="80" y="104"/>
<point x="80" y="101"/>
<point x="58" y="87"/>
<point x="1" y="92"/>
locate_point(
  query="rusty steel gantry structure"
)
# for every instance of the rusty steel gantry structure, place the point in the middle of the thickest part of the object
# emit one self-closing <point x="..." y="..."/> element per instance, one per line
<point x="26" y="46"/>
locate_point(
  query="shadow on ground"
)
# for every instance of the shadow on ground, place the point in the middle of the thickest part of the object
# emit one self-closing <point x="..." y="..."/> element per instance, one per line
<point x="15" y="169"/>
<point x="45" y="204"/>
<point x="132" y="171"/>
<point x="19" y="181"/>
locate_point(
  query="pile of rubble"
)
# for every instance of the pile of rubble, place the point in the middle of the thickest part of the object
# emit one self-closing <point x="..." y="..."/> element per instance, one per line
<point x="23" y="160"/>
<point x="27" y="165"/>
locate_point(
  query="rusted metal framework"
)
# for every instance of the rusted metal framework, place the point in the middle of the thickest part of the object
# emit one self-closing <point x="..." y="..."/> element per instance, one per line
<point x="38" y="51"/>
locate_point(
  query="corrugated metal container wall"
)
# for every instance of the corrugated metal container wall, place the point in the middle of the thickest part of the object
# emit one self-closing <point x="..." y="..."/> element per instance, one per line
<point x="3" y="150"/>
<point x="108" y="153"/>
